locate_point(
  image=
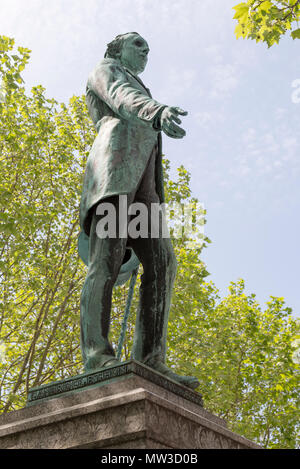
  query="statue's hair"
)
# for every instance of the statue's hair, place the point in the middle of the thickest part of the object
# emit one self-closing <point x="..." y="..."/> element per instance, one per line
<point x="114" y="47"/>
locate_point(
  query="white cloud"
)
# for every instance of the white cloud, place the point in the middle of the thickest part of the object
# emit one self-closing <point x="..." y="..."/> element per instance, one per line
<point x="248" y="137"/>
<point x="180" y="82"/>
<point x="271" y="153"/>
<point x="208" y="120"/>
<point x="214" y="53"/>
<point x="281" y="113"/>
<point x="224" y="79"/>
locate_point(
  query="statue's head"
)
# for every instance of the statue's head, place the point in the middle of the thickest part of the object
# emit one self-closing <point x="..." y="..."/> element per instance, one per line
<point x="131" y="50"/>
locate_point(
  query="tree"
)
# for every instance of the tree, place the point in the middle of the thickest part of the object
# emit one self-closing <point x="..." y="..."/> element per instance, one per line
<point x="40" y="272"/>
<point x="267" y="21"/>
<point x="245" y="362"/>
<point x="242" y="355"/>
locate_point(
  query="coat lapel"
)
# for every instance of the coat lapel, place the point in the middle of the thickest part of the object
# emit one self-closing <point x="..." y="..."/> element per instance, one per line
<point x="139" y="81"/>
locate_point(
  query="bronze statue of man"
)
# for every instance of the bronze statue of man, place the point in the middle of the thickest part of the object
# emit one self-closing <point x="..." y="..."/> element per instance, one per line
<point x="126" y="160"/>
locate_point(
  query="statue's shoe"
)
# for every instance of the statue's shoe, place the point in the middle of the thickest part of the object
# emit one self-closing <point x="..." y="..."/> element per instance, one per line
<point x="104" y="361"/>
<point x="189" y="381"/>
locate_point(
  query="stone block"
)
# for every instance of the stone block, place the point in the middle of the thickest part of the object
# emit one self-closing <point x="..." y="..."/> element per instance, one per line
<point x="127" y="406"/>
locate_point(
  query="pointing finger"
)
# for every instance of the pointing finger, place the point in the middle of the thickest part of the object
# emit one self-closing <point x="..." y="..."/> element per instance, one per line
<point x="176" y="119"/>
<point x="176" y="129"/>
<point x="180" y="111"/>
<point x="171" y="135"/>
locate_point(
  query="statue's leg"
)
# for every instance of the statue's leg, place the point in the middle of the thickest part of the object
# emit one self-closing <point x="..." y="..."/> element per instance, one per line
<point x="159" y="263"/>
<point x="105" y="259"/>
<point x="149" y="347"/>
<point x="155" y="251"/>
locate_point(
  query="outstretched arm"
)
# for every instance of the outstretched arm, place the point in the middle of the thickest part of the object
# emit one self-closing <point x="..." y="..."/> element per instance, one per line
<point x="110" y="83"/>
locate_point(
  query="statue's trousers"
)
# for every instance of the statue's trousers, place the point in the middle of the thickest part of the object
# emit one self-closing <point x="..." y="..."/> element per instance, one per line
<point x="155" y="253"/>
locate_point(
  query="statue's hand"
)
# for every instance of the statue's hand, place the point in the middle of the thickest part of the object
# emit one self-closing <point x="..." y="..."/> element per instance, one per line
<point x="168" y="118"/>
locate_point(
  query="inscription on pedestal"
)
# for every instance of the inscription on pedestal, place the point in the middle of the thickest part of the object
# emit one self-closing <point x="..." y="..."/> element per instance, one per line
<point x="103" y="376"/>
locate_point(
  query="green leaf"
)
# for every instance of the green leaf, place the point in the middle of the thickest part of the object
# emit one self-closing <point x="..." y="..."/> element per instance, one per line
<point x="296" y="34"/>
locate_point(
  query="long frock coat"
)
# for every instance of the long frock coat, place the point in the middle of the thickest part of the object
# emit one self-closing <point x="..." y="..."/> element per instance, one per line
<point x="127" y="120"/>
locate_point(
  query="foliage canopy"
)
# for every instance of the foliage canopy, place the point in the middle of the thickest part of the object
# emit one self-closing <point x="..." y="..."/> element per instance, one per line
<point x="267" y="21"/>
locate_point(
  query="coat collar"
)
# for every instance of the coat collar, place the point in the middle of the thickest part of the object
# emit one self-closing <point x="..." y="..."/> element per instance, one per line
<point x="139" y="80"/>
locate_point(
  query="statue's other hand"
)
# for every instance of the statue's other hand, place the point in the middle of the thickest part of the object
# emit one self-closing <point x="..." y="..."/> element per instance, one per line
<point x="169" y="120"/>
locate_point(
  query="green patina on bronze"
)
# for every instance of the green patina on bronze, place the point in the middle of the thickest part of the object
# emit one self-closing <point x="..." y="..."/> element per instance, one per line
<point x="126" y="159"/>
<point x="124" y="115"/>
<point x="99" y="378"/>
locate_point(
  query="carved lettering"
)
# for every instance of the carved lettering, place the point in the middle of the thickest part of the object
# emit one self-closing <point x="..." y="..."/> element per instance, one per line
<point x="75" y="384"/>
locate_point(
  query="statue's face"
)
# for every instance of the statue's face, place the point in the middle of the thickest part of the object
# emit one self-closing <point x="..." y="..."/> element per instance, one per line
<point x="134" y="54"/>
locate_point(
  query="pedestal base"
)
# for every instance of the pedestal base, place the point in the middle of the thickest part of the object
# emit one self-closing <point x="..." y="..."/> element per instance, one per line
<point x="126" y="406"/>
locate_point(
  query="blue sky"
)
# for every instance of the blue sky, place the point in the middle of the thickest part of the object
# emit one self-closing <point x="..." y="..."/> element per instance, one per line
<point x="242" y="143"/>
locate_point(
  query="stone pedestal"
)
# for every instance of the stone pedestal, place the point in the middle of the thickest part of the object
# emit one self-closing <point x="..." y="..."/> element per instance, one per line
<point x="127" y="406"/>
